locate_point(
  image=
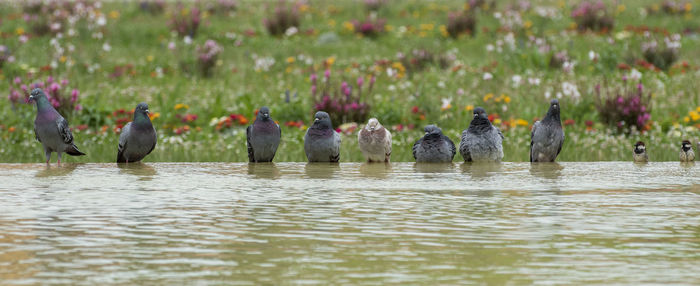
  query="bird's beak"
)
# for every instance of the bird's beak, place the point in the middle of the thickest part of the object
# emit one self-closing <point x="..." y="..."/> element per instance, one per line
<point x="31" y="98"/>
<point x="147" y="111"/>
<point x="476" y="115"/>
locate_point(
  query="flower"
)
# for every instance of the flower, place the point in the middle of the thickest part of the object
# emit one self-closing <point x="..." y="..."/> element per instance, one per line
<point x="181" y="106"/>
<point x="488" y="76"/>
<point x="446" y="104"/>
<point x="469" y="107"/>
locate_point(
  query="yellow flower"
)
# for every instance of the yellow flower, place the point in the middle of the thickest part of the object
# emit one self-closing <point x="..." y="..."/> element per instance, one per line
<point x="114" y="14"/>
<point x="149" y="58"/>
<point x="62" y="59"/>
<point x="688" y="6"/>
<point x="469" y="107"/>
<point x="427" y="27"/>
<point x="181" y="106"/>
<point x="389" y="28"/>
<point x="290" y="60"/>
<point x="694" y="115"/>
<point x="443" y="30"/>
<point x="330" y="61"/>
<point x="488" y="96"/>
<point x="686" y="119"/>
<point x="303" y="8"/>
<point x="697" y="109"/>
<point x="19" y="31"/>
<point x="331" y="23"/>
<point x="422" y="34"/>
<point x="288" y="70"/>
<point x="154" y="115"/>
<point x="349" y="26"/>
<point x="621" y="8"/>
<point x="497" y="121"/>
<point x="506" y="99"/>
<point x="521" y="122"/>
<point x="527" y="24"/>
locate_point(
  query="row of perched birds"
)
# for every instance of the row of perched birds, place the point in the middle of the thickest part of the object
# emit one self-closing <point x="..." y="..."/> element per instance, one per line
<point x="481" y="142"/>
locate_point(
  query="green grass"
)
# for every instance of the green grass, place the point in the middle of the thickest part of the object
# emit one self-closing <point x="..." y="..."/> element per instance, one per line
<point x="141" y="40"/>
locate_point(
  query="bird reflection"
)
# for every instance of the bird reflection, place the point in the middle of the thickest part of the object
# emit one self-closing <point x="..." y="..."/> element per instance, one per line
<point x="375" y="170"/>
<point x="143" y="171"/>
<point x="481" y="169"/>
<point x="63" y="170"/>
<point x="433" y="167"/>
<point x="546" y="170"/>
<point x="266" y="170"/>
<point x="321" y="170"/>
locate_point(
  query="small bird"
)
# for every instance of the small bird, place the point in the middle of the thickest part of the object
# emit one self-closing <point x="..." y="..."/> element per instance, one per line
<point x="547" y="136"/>
<point x="375" y="141"/>
<point x="687" y="154"/>
<point x="434" y="147"/>
<point x="51" y="129"/>
<point x="321" y="142"/>
<point x="640" y="153"/>
<point x="138" y="138"/>
<point x="263" y="137"/>
<point x="481" y="142"/>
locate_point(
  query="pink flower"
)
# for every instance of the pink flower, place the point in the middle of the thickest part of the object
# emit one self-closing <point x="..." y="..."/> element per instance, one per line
<point x="54" y="87"/>
<point x="327" y="74"/>
<point x="360" y="81"/>
<point x="74" y="95"/>
<point x="17" y="80"/>
<point x="313" y="78"/>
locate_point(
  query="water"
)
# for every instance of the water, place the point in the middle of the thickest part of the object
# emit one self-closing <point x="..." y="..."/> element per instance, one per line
<point x="289" y="223"/>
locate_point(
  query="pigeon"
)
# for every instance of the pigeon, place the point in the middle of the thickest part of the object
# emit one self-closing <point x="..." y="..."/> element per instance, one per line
<point x="51" y="129"/>
<point x="375" y="141"/>
<point x="138" y="138"/>
<point x="434" y="147"/>
<point x="687" y="154"/>
<point x="481" y="142"/>
<point x="321" y="142"/>
<point x="263" y="137"/>
<point x="640" y="153"/>
<point x="547" y="136"/>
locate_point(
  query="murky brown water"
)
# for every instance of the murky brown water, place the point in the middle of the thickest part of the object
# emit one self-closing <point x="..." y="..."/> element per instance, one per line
<point x="288" y="223"/>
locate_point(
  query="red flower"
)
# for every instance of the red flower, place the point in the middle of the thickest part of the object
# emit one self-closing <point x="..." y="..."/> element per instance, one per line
<point x="569" y="122"/>
<point x="415" y="109"/>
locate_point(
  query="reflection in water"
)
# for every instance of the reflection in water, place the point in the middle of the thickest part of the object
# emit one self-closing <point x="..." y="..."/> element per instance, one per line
<point x="140" y="169"/>
<point x="375" y="170"/>
<point x="63" y="170"/>
<point x="210" y="222"/>
<point x="321" y="170"/>
<point x="546" y="170"/>
<point x="266" y="170"/>
<point x="433" y="167"/>
<point x="481" y="169"/>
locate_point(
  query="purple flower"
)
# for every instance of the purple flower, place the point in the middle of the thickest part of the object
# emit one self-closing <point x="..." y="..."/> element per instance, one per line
<point x="54" y="87"/>
<point x="64" y="82"/>
<point x="640" y="87"/>
<point x="620" y="100"/>
<point x="18" y="80"/>
<point x="74" y="95"/>
<point x="360" y="81"/>
<point x="313" y="89"/>
<point x="313" y="78"/>
<point x="327" y="74"/>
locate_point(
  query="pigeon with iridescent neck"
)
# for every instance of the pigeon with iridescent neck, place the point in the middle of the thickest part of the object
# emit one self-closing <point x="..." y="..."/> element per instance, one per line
<point x="547" y="136"/>
<point x="434" y="147"/>
<point x="51" y="129"/>
<point x="481" y="142"/>
<point x="321" y="142"/>
<point x="263" y="137"/>
<point x="375" y="142"/>
<point x="138" y="138"/>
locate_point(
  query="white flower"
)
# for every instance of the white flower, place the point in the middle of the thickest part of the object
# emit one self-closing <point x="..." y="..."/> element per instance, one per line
<point x="106" y="47"/>
<point x="187" y="40"/>
<point x="516" y="80"/>
<point x="101" y="21"/>
<point x="391" y="88"/>
<point x="635" y="75"/>
<point x="441" y="84"/>
<point x="291" y="31"/>
<point x="569" y="89"/>
<point x="568" y="66"/>
<point x="488" y="76"/>
<point x="446" y="103"/>
<point x="593" y="56"/>
<point x="489" y="48"/>
<point x="390" y="72"/>
<point x="171" y="46"/>
<point x="533" y="81"/>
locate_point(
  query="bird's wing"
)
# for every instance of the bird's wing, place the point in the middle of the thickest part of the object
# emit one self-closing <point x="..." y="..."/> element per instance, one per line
<point x="499" y="132"/>
<point x="335" y="156"/>
<point x="532" y="137"/>
<point x="64" y="130"/>
<point x="387" y="143"/>
<point x="36" y="135"/>
<point x="251" y="154"/>
<point x="463" y="149"/>
<point x="453" y="148"/>
<point x="154" y="142"/>
<point x="561" y="142"/>
<point x="415" y="147"/>
<point x="123" y="136"/>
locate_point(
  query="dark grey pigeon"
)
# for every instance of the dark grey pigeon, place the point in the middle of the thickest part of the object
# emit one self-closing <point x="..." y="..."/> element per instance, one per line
<point x="481" y="142"/>
<point x="434" y="147"/>
<point x="138" y="138"/>
<point x="547" y="136"/>
<point x="263" y="137"/>
<point x="321" y="142"/>
<point x="51" y="129"/>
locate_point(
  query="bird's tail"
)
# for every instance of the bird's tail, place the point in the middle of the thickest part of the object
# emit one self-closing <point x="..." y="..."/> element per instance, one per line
<point x="73" y="151"/>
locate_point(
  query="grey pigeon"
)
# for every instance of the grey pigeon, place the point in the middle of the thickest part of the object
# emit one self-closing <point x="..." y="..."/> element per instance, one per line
<point x="640" y="153"/>
<point x="375" y="141"/>
<point x="687" y="154"/>
<point x="321" y="142"/>
<point x="51" y="129"/>
<point x="481" y="142"/>
<point x="263" y="137"/>
<point x="547" y="136"/>
<point x="434" y="147"/>
<point x="138" y="138"/>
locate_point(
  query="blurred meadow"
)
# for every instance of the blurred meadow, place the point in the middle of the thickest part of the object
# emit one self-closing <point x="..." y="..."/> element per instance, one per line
<point x="623" y="71"/>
